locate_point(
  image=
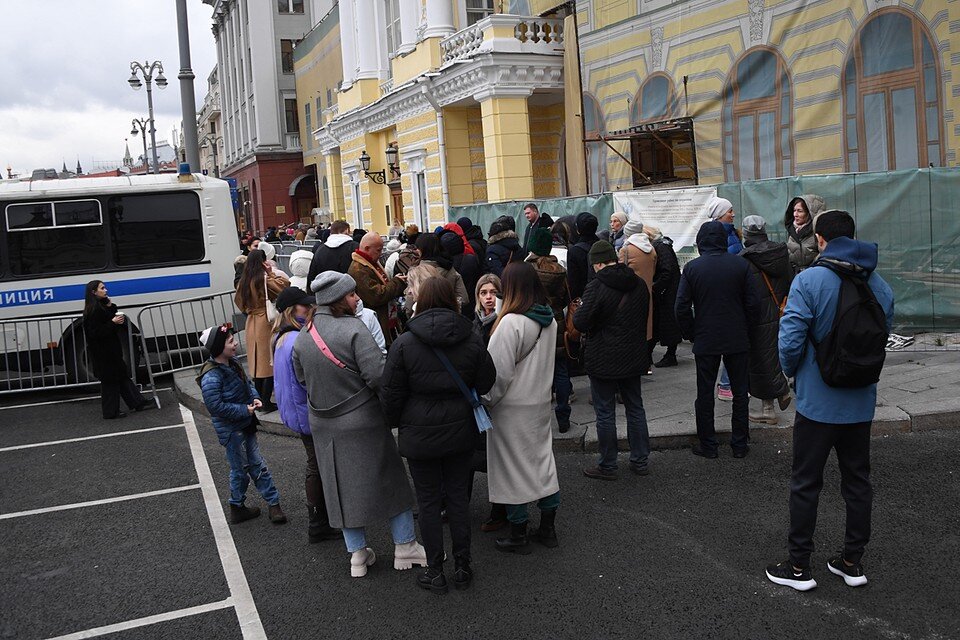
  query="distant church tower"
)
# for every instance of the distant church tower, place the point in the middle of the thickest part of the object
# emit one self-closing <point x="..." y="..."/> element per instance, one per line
<point x="79" y="168"/>
<point x="127" y="158"/>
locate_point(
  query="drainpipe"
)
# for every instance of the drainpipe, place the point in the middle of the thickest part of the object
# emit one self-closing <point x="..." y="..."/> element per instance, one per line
<point x="426" y="89"/>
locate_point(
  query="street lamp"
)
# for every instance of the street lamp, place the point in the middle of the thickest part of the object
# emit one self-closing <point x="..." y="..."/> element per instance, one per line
<point x="140" y="126"/>
<point x="380" y="177"/>
<point x="213" y="141"/>
<point x="147" y="69"/>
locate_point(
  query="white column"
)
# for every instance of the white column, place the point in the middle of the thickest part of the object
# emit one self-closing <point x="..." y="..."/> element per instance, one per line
<point x="367" y="53"/>
<point x="409" y="19"/>
<point x="439" y="18"/>
<point x="348" y="44"/>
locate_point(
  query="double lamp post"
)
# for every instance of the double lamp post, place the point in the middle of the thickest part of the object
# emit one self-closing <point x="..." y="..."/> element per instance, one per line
<point x="147" y="70"/>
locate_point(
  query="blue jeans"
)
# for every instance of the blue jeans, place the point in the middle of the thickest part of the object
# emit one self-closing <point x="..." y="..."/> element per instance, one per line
<point x="724" y="377"/>
<point x="518" y="514"/>
<point x="562" y="387"/>
<point x="243" y="454"/>
<point x="401" y="527"/>
<point x="604" y="394"/>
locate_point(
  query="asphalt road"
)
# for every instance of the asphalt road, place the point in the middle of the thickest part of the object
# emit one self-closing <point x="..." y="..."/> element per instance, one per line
<point x="677" y="554"/>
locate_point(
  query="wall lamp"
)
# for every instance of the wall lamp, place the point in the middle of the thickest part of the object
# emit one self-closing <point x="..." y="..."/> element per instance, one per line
<point x="380" y="177"/>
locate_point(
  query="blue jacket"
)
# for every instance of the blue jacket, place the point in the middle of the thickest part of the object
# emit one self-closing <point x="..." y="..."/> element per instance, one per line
<point x="226" y="391"/>
<point x="811" y="307"/>
<point x="291" y="395"/>
<point x="734" y="245"/>
<point x="717" y="298"/>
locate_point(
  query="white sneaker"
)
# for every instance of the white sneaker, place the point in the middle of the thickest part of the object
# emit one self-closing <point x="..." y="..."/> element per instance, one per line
<point x="405" y="556"/>
<point x="360" y="560"/>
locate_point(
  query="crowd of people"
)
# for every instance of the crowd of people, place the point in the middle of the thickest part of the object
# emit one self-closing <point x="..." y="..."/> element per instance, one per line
<point x="439" y="334"/>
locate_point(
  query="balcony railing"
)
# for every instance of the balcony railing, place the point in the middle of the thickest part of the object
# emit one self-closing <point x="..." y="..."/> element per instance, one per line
<point x="386" y="86"/>
<point x="293" y="142"/>
<point x="529" y="35"/>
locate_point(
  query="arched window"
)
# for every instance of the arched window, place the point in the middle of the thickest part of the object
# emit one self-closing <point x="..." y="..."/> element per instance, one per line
<point x="757" y="117"/>
<point x="891" y="97"/>
<point x="325" y="191"/>
<point x="654" y="101"/>
<point x="594" y="127"/>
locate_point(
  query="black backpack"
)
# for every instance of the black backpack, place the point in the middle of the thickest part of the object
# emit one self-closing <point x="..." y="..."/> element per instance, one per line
<point x="851" y="355"/>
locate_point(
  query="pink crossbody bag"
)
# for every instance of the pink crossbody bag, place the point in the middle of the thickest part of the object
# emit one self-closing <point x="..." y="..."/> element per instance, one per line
<point x="325" y="350"/>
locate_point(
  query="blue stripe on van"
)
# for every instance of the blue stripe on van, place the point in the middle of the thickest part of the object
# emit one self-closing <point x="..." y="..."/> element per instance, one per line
<point x="74" y="292"/>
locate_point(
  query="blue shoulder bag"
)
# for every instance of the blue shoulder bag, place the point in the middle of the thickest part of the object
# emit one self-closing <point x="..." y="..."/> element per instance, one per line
<point x="480" y="414"/>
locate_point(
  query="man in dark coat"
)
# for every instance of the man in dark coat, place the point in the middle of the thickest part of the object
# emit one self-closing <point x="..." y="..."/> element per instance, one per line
<point x="334" y="253"/>
<point x="613" y="318"/>
<point x="466" y="264"/>
<point x="535" y="220"/>
<point x="772" y="274"/>
<point x="474" y="236"/>
<point x="504" y="247"/>
<point x="719" y="288"/>
<point x="666" y="280"/>
<point x="579" y="271"/>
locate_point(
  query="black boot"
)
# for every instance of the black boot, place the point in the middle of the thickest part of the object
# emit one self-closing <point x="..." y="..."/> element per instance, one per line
<point x="433" y="580"/>
<point x="265" y="395"/>
<point x="242" y="513"/>
<point x="546" y="534"/>
<point x="517" y="542"/>
<point x="669" y="359"/>
<point x="319" y="528"/>
<point x="462" y="573"/>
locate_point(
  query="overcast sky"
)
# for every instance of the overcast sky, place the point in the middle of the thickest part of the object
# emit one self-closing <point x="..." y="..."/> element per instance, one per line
<point x="64" y="66"/>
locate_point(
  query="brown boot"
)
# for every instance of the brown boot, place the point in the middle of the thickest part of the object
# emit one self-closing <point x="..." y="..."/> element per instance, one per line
<point x="242" y="513"/>
<point x="276" y="514"/>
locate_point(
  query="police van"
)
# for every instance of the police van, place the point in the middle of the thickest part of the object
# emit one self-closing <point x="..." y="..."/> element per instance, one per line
<point x="151" y="239"/>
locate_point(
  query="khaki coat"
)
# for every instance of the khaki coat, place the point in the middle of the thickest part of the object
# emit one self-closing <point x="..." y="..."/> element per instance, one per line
<point x="258" y="329"/>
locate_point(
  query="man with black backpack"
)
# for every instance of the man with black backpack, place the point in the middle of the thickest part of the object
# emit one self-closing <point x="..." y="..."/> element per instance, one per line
<point x="832" y="339"/>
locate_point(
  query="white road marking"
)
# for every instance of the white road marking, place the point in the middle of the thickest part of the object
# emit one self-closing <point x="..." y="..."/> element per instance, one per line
<point x="92" y="503"/>
<point x="96" y="437"/>
<point x="143" y="622"/>
<point x="247" y="615"/>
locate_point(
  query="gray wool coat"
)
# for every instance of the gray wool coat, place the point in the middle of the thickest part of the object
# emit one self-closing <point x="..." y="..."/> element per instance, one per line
<point x="364" y="480"/>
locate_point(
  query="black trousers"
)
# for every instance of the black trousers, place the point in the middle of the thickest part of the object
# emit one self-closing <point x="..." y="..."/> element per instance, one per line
<point x="435" y="480"/>
<point x="111" y="392"/>
<point x="312" y="484"/>
<point x="738" y="368"/>
<point x="812" y="442"/>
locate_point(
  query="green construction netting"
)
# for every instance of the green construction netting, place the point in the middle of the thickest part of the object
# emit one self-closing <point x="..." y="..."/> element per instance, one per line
<point x="907" y="213"/>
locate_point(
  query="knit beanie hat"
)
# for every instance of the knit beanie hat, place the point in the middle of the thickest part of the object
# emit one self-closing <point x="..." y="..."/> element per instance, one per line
<point x="540" y="242"/>
<point x="501" y="224"/>
<point x="331" y="286"/>
<point x="631" y="227"/>
<point x="622" y="217"/>
<point x="214" y="339"/>
<point x="718" y="207"/>
<point x="602" y="251"/>
<point x="465" y="223"/>
<point x="754" y="226"/>
<point x="269" y="251"/>
<point x="587" y="224"/>
<point x="292" y="296"/>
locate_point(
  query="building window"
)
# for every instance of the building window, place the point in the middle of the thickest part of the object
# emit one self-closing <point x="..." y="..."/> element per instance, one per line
<point x="654" y="101"/>
<point x="286" y="55"/>
<point x="594" y="127"/>
<point x="325" y="192"/>
<point x="757" y="118"/>
<point x="478" y="10"/>
<point x="309" y="127"/>
<point x="392" y="20"/>
<point x="290" y="6"/>
<point x="655" y="153"/>
<point x="291" y="116"/>
<point x="891" y="97"/>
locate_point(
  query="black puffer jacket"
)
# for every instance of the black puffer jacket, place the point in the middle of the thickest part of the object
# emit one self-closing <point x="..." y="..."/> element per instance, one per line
<point x="716" y="299"/>
<point x="503" y="249"/>
<point x="327" y="258"/>
<point x="466" y="264"/>
<point x="579" y="271"/>
<point x="474" y="236"/>
<point x="666" y="280"/>
<point x="772" y="258"/>
<point x="614" y="320"/>
<point x="421" y="398"/>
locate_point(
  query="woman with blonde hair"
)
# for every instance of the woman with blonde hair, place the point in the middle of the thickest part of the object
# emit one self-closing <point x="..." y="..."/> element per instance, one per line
<point x="296" y="308"/>
<point x="258" y="283"/>
<point x="488" y="290"/>
<point x="415" y="277"/>
<point x="520" y="463"/>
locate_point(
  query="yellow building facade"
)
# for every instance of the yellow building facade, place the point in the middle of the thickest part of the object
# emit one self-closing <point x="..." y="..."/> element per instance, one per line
<point x="713" y="91"/>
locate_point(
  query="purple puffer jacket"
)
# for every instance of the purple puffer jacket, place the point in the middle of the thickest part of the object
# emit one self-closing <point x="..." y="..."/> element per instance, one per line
<point x="291" y="396"/>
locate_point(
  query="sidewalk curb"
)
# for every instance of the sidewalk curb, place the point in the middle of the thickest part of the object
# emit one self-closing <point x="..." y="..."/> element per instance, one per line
<point x="889" y="420"/>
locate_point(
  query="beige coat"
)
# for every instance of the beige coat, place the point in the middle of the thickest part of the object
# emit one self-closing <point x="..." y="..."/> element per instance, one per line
<point x="520" y="463"/>
<point x="643" y="264"/>
<point x="258" y="328"/>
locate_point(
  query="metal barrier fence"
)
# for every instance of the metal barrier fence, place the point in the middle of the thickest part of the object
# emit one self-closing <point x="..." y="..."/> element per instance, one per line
<point x="171" y="332"/>
<point x="51" y="353"/>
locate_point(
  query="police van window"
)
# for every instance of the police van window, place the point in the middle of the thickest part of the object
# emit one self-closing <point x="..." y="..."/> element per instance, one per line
<point x="50" y="238"/>
<point x="157" y="228"/>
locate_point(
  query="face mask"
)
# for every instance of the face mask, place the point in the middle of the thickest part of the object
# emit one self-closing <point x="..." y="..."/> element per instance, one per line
<point x="301" y="320"/>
